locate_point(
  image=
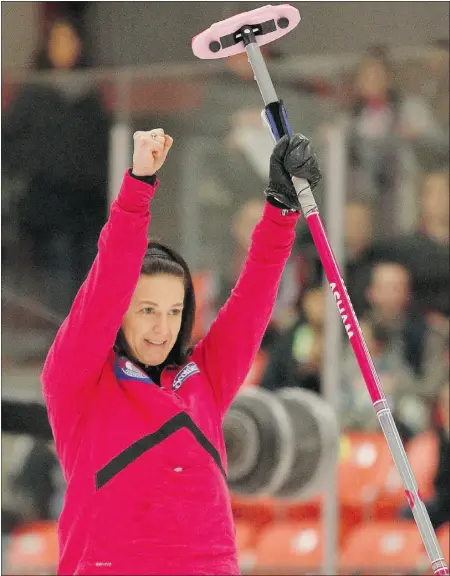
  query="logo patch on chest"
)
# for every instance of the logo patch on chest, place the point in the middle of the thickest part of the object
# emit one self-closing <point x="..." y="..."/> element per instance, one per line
<point x="124" y="369"/>
<point x="189" y="370"/>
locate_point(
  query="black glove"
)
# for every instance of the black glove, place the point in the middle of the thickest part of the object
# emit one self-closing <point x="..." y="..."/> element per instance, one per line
<point x="291" y="156"/>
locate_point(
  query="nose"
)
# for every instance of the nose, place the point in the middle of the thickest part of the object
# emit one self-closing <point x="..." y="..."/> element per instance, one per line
<point x="161" y="325"/>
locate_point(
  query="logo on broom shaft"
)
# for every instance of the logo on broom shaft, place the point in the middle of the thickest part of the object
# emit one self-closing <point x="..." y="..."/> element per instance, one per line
<point x="342" y="311"/>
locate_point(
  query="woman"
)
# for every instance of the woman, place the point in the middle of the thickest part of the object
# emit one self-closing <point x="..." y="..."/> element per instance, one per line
<point x="135" y="413"/>
<point x="295" y="358"/>
<point x="55" y="140"/>
<point x="373" y="139"/>
<point x="438" y="507"/>
<point x="400" y="384"/>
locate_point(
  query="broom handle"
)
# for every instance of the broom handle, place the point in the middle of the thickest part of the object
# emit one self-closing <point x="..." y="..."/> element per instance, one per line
<point x="279" y="126"/>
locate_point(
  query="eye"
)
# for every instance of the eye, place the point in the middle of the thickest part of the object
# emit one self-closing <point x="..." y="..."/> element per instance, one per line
<point x="147" y="310"/>
<point x="176" y="311"/>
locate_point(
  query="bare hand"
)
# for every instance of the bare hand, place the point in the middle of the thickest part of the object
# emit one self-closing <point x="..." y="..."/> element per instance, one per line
<point x="150" y="151"/>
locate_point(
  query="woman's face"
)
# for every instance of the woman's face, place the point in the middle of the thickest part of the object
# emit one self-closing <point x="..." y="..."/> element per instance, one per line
<point x="153" y="319"/>
<point x="245" y="221"/>
<point x="372" y="80"/>
<point x="64" y="46"/>
<point x="435" y="197"/>
<point x="358" y="228"/>
<point x="314" y="306"/>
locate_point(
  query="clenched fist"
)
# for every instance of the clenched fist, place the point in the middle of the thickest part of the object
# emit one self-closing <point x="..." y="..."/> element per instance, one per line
<point x="150" y="151"/>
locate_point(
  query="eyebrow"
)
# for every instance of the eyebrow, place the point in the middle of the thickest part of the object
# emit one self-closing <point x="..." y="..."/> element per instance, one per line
<point x="155" y="304"/>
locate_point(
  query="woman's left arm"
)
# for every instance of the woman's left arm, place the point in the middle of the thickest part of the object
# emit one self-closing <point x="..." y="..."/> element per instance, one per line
<point x="228" y="350"/>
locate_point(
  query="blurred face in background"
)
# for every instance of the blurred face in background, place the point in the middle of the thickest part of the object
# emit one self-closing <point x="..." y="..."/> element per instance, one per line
<point x="64" y="46"/>
<point x="435" y="198"/>
<point x="389" y="291"/>
<point x="245" y="221"/>
<point x="372" y="80"/>
<point x="314" y="306"/>
<point x="357" y="229"/>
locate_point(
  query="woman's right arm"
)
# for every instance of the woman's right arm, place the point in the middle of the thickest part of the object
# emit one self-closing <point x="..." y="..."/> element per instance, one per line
<point x="86" y="337"/>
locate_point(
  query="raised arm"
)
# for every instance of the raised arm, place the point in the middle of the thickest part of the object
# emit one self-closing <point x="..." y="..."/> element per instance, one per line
<point x="86" y="337"/>
<point x="228" y="350"/>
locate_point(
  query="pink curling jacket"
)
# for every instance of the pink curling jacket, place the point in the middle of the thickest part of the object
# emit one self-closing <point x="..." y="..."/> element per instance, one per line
<point x="145" y="465"/>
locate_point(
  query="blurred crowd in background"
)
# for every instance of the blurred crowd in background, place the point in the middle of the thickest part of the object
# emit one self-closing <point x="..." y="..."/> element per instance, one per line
<point x="55" y="142"/>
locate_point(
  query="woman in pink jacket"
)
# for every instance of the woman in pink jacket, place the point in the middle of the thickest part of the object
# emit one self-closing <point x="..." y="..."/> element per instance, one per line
<point x="135" y="412"/>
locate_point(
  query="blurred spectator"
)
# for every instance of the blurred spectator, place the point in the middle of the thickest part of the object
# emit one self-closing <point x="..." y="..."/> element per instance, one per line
<point x="242" y="226"/>
<point x="425" y="122"/>
<point x="426" y="128"/>
<point x="435" y="207"/>
<point x="39" y="486"/>
<point x="437" y="368"/>
<point x="397" y="379"/>
<point x="380" y="118"/>
<point x="373" y="140"/>
<point x="391" y="306"/>
<point x="439" y="507"/>
<point x="359" y="252"/>
<point x="425" y="252"/>
<point x="296" y="356"/>
<point x="36" y="485"/>
<point x="437" y="67"/>
<point x="442" y="478"/>
<point x="229" y="121"/>
<point x="55" y="135"/>
<point x="239" y="125"/>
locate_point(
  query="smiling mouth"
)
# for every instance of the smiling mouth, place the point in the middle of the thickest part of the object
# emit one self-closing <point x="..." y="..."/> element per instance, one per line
<point x="155" y="342"/>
